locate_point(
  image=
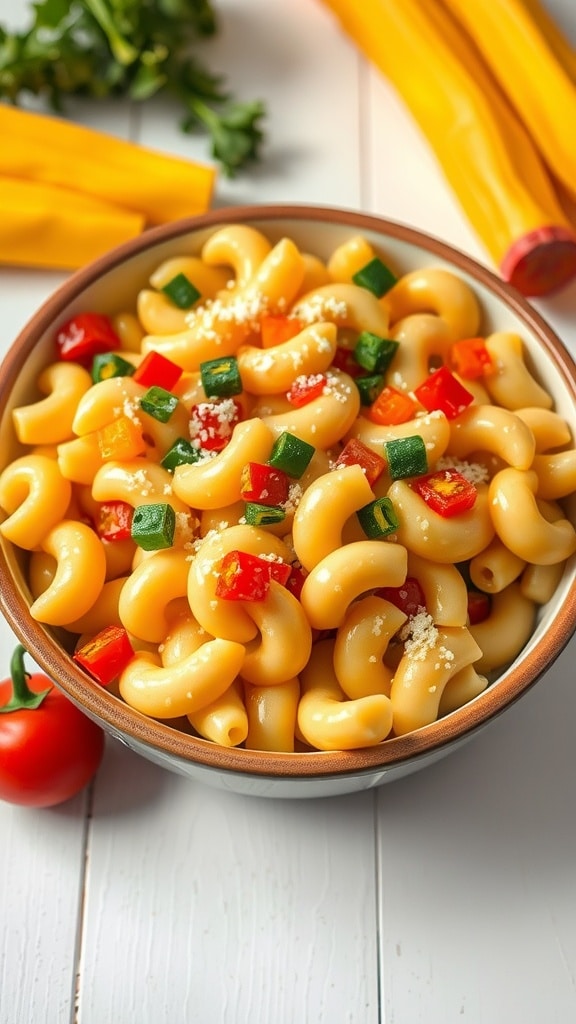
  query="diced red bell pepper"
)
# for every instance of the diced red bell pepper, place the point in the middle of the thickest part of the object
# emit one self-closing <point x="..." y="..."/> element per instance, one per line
<point x="344" y="360"/>
<point x="114" y="520"/>
<point x="279" y="571"/>
<point x="277" y="328"/>
<point x="295" y="580"/>
<point x="264" y="484"/>
<point x="243" y="577"/>
<point x="212" y="423"/>
<point x="156" y="370"/>
<point x="447" y="492"/>
<point x="442" y="391"/>
<point x="356" y="453"/>
<point x="479" y="606"/>
<point x="106" y="655"/>
<point x="409" y="597"/>
<point x="85" y="336"/>
<point x="392" y="407"/>
<point x="306" y="388"/>
<point x="471" y="359"/>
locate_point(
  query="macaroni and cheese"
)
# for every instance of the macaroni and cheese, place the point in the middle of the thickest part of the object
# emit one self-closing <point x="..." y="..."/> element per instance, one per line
<point x="288" y="503"/>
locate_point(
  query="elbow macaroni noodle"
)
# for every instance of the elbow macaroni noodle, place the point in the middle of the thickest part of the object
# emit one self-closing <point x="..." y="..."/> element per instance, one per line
<point x="342" y="661"/>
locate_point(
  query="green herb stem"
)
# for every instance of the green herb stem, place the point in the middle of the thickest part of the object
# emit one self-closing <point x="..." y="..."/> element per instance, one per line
<point x="134" y="49"/>
<point x="22" y="696"/>
<point x="123" y="51"/>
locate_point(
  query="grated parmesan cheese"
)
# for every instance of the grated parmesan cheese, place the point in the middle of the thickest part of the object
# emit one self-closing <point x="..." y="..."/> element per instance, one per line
<point x="224" y="413"/>
<point x="377" y="625"/>
<point x="129" y="409"/>
<point x="210" y="319"/>
<point x="419" y="635"/>
<point x="294" y="496"/>
<point x="320" y="308"/>
<point x="184" y="531"/>
<point x="271" y="557"/>
<point x="474" y="472"/>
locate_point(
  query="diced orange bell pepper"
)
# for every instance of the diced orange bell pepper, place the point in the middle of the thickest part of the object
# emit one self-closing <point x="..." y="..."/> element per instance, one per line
<point x="276" y="328"/>
<point x="392" y="407"/>
<point x="356" y="453"/>
<point x="471" y="359"/>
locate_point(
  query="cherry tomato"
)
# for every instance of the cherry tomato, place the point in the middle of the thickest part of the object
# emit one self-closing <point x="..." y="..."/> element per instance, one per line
<point x="49" y="749"/>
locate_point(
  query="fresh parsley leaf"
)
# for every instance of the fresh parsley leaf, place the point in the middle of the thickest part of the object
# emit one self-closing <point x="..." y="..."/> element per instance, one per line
<point x="50" y="13"/>
<point x="133" y="48"/>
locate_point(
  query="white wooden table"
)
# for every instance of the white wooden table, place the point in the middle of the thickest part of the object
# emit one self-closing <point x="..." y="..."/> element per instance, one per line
<point x="449" y="896"/>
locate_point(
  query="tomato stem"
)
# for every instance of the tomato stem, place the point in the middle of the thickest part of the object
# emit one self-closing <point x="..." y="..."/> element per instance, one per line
<point x="22" y="696"/>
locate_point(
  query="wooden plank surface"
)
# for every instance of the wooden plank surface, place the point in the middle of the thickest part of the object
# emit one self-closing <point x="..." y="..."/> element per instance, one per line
<point x="477" y="872"/>
<point x="229" y="912"/>
<point x="448" y="896"/>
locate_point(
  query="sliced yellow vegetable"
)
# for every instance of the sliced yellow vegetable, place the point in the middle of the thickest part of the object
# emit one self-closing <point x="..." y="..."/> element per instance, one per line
<point x="555" y="38"/>
<point x="51" y="227"/>
<point x="49" y="149"/>
<point x="521" y="225"/>
<point x="561" y="49"/>
<point x="524" y="154"/>
<point x="535" y="81"/>
<point x="523" y="151"/>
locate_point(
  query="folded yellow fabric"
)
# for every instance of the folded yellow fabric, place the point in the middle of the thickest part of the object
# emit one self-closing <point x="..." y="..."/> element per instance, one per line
<point x="82" y="191"/>
<point x="53" y="227"/>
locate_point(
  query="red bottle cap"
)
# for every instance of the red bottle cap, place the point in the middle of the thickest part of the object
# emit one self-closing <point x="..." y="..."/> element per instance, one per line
<point x="541" y="262"/>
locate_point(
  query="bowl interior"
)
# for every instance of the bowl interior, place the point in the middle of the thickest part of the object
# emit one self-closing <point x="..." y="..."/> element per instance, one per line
<point x="111" y="284"/>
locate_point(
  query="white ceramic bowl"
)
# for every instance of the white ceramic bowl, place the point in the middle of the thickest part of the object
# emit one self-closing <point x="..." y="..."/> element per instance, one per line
<point x="104" y="285"/>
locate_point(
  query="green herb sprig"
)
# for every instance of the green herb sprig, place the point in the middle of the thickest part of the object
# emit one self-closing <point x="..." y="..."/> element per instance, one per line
<point x="135" y="49"/>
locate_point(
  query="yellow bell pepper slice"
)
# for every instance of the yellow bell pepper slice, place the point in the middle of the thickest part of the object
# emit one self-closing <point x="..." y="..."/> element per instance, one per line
<point x="49" y="149"/>
<point x="51" y="227"/>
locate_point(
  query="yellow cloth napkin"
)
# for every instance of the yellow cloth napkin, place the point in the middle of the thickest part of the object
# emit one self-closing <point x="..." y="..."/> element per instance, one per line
<point x="69" y="193"/>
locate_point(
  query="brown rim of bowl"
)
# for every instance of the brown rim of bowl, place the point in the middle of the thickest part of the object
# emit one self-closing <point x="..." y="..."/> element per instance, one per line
<point x="119" y="717"/>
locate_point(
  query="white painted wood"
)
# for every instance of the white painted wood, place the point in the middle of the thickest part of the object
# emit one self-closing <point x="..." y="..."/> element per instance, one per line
<point x="40" y="895"/>
<point x="478" y="878"/>
<point x="41" y="875"/>
<point x="287" y="54"/>
<point x="457" y="886"/>
<point x="223" y="908"/>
